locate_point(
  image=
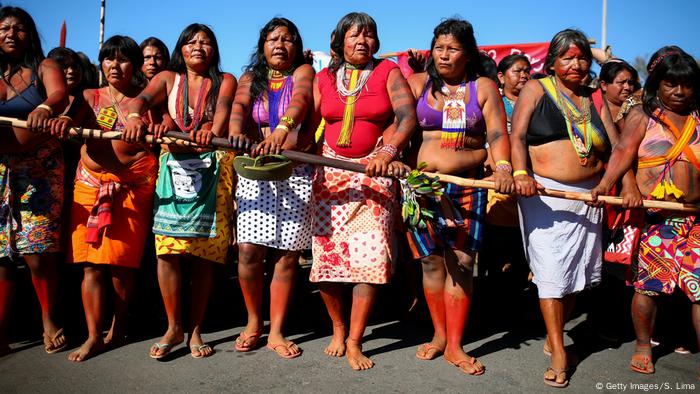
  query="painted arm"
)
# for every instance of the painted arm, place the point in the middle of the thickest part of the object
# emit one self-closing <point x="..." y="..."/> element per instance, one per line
<point x="302" y="99"/>
<point x="631" y="196"/>
<point x="51" y="77"/>
<point x="222" y="112"/>
<point x="525" y="185"/>
<point x="624" y="153"/>
<point x="405" y="122"/>
<point x="154" y="94"/>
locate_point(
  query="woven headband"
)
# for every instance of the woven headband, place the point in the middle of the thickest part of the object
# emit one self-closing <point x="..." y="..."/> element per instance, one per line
<point x="660" y="58"/>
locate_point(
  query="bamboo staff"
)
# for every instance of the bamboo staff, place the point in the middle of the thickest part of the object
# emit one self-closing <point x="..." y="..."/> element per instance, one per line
<point x="183" y="139"/>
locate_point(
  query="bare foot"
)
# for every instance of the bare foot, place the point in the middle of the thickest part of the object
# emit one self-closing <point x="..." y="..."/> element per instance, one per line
<point x="357" y="360"/>
<point x="90" y="348"/>
<point x="337" y="346"/>
<point x="464" y="362"/>
<point x="173" y="337"/>
<point x="431" y="350"/>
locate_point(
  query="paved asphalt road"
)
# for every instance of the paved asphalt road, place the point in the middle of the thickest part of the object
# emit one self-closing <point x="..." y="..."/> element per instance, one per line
<point x="505" y="333"/>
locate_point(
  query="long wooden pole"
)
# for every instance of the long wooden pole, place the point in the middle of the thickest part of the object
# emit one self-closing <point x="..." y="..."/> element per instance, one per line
<point x="612" y="200"/>
<point x="180" y="138"/>
<point x="102" y="30"/>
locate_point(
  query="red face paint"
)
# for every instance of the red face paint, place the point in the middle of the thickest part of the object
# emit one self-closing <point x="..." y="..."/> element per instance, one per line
<point x="573" y="65"/>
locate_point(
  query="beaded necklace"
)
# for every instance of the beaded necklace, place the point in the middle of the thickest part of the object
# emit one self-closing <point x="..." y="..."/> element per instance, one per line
<point x="349" y="96"/>
<point x="577" y="122"/>
<point x="182" y="113"/>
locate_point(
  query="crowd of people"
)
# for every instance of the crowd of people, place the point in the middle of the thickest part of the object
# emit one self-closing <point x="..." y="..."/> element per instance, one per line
<point x="459" y="114"/>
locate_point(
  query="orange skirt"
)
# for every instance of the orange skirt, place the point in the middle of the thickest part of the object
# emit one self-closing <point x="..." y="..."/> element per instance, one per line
<point x="123" y="241"/>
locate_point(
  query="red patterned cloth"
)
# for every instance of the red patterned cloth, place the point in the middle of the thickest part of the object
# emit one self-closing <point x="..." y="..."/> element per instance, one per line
<point x="353" y="224"/>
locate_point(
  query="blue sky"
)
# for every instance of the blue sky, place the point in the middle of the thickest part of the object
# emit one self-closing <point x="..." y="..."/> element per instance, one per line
<point x="635" y="28"/>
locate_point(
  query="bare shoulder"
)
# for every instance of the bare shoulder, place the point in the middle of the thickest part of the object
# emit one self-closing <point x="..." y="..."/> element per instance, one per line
<point x="636" y="118"/>
<point x="487" y="89"/>
<point x="228" y="77"/>
<point x="89" y="96"/>
<point x="417" y="82"/>
<point x="304" y="71"/>
<point x="532" y="91"/>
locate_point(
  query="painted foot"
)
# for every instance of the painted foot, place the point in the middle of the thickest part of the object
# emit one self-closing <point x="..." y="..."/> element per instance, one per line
<point x="90" y="348"/>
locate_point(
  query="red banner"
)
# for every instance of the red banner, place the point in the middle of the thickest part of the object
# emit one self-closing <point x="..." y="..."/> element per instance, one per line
<point x="536" y="52"/>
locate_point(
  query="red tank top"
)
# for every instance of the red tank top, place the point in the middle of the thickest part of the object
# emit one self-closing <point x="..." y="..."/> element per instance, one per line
<point x="373" y="111"/>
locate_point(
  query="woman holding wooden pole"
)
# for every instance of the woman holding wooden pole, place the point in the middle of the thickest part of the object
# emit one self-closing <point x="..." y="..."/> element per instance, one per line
<point x="113" y="196"/>
<point x="31" y="170"/>
<point x="559" y="141"/>
<point x="662" y="137"/>
<point x="458" y="110"/>
<point x="193" y="204"/>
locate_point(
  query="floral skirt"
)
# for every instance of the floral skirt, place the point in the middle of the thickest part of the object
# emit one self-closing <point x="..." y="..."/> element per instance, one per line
<point x="31" y="189"/>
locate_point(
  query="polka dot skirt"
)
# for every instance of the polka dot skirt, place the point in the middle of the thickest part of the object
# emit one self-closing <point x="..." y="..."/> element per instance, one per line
<point x="276" y="214"/>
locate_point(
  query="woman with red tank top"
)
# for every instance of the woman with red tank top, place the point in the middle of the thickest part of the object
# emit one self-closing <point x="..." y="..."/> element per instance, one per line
<point x="370" y="115"/>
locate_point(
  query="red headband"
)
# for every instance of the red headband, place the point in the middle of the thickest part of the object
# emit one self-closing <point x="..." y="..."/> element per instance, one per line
<point x="659" y="59"/>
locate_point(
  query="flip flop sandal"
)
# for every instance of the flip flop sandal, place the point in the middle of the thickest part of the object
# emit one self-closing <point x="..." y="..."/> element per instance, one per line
<point x="50" y="342"/>
<point x="251" y="338"/>
<point x="471" y="361"/>
<point x="167" y="347"/>
<point x="644" y="360"/>
<point x="427" y="347"/>
<point x="289" y="356"/>
<point x="200" y="348"/>
<point x="553" y="382"/>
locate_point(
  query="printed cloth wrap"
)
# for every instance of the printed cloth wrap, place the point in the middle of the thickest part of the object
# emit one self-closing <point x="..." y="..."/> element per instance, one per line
<point x="185" y="201"/>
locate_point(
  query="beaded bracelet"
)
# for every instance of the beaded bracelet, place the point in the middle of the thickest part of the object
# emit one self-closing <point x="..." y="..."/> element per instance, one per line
<point x="282" y="127"/>
<point x="389" y="150"/>
<point x="133" y="115"/>
<point x="504" y="165"/>
<point x="45" y="107"/>
<point x="289" y="122"/>
<point x="519" y="172"/>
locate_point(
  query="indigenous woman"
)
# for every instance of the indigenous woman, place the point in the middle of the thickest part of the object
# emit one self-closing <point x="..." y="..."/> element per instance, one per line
<point x="72" y="68"/>
<point x="193" y="203"/>
<point x="370" y="115"/>
<point x="618" y="82"/>
<point x="155" y="57"/>
<point x="453" y="143"/>
<point x="513" y="74"/>
<point x="112" y="197"/>
<point x="31" y="170"/>
<point x="663" y="137"/>
<point x="73" y="72"/>
<point x="559" y="141"/>
<point x="274" y="218"/>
